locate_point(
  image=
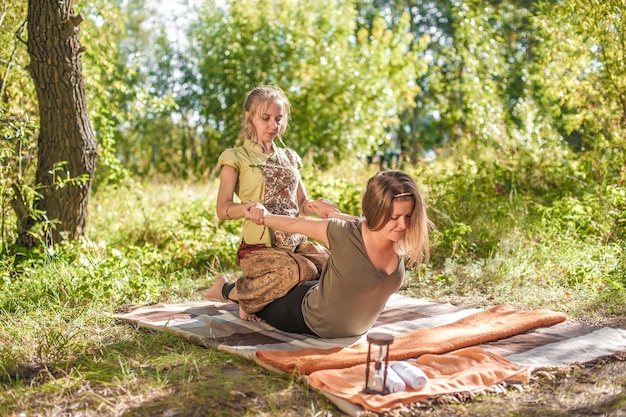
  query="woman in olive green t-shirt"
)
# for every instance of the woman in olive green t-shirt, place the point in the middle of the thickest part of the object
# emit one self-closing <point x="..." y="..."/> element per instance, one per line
<point x="366" y="263"/>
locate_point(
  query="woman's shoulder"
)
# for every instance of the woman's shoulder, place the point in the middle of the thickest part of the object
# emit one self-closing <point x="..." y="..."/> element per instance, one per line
<point x="345" y="225"/>
<point x="234" y="150"/>
<point x="228" y="157"/>
<point x="232" y="155"/>
<point x="345" y="233"/>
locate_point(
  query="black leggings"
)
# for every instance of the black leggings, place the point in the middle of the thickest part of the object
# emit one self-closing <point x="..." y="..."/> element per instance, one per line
<point x="285" y="313"/>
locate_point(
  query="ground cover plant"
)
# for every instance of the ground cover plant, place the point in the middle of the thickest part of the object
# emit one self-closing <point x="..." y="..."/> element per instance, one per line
<point x="495" y="240"/>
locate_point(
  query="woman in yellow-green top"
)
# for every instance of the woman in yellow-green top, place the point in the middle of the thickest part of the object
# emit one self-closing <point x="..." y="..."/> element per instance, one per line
<point x="257" y="170"/>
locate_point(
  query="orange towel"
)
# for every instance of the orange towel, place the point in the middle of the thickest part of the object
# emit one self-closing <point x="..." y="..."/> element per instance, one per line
<point x="461" y="371"/>
<point x="491" y="324"/>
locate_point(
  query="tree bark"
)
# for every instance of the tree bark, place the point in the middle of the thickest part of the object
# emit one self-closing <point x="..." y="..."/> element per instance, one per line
<point x="67" y="150"/>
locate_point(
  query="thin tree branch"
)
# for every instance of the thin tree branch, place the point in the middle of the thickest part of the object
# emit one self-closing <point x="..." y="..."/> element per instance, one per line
<point x="19" y="31"/>
<point x="9" y="62"/>
<point x="5" y="8"/>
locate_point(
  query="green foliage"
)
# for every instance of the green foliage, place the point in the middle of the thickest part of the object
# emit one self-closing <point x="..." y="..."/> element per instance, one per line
<point x="16" y="141"/>
<point x="478" y="198"/>
<point x="474" y="69"/>
<point x="488" y="71"/>
<point x="534" y="270"/>
<point x="111" y="81"/>
<point x="17" y="116"/>
<point x="346" y="88"/>
<point x="191" y="234"/>
<point x="342" y="187"/>
<point x="579" y="76"/>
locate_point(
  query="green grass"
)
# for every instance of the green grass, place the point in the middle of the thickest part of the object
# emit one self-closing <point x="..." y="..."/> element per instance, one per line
<point x="62" y="353"/>
<point x="568" y="276"/>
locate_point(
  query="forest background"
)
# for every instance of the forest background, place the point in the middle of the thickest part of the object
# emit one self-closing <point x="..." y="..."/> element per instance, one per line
<point x="510" y="114"/>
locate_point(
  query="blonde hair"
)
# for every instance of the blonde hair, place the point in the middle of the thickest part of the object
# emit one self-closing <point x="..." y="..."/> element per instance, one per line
<point x="382" y="190"/>
<point x="257" y="102"/>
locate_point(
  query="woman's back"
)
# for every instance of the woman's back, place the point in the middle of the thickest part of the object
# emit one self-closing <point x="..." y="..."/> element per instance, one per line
<point x="352" y="292"/>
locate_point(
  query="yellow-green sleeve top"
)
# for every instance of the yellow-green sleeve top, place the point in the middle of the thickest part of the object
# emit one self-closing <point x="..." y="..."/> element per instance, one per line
<point x="250" y="163"/>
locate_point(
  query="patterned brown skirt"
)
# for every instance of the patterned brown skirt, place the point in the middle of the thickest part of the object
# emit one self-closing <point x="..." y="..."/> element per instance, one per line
<point x="269" y="273"/>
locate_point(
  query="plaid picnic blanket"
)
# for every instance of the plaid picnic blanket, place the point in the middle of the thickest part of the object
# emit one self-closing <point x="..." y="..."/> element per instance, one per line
<point x="217" y="325"/>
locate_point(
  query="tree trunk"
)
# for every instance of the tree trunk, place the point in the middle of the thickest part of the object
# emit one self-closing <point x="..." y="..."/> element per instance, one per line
<point x="67" y="152"/>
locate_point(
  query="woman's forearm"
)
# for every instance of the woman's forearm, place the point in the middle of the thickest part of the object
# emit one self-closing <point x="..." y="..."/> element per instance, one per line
<point x="232" y="211"/>
<point x="310" y="227"/>
<point x="285" y="223"/>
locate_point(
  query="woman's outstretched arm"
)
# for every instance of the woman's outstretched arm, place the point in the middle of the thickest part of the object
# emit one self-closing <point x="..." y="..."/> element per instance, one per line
<point x="311" y="227"/>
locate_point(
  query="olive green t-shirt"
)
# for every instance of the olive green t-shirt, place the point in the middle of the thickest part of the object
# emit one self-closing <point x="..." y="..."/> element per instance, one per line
<point x="351" y="292"/>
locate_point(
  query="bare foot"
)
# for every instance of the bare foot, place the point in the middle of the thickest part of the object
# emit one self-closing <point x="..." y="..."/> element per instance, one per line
<point x="248" y="316"/>
<point x="215" y="292"/>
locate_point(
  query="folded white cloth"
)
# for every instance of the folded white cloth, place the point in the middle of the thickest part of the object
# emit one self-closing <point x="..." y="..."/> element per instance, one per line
<point x="394" y="382"/>
<point x="412" y="376"/>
